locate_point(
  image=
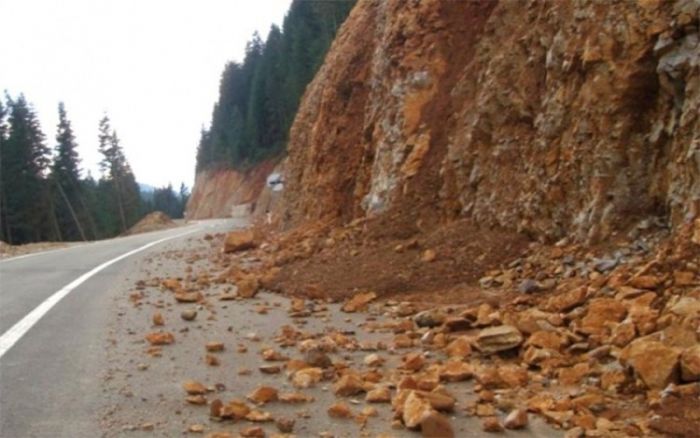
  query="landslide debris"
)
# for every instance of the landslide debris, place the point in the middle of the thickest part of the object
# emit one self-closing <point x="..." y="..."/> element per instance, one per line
<point x="152" y="222"/>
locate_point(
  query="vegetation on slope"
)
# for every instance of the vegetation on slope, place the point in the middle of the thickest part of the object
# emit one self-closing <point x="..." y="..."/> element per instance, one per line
<point x="258" y="98"/>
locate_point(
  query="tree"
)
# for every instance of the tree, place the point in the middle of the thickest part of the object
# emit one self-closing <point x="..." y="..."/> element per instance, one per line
<point x="67" y="200"/>
<point x="24" y="160"/>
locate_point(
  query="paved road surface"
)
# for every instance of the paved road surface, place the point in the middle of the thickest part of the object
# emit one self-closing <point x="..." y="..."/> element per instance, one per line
<point x="49" y="378"/>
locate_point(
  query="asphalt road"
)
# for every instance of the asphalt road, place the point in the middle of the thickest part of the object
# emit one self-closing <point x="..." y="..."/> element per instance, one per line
<point x="49" y="377"/>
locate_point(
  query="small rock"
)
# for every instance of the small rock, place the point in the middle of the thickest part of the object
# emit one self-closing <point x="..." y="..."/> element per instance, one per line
<point x="529" y="286"/>
<point x="263" y="394"/>
<point x="655" y="363"/>
<point x="380" y="394"/>
<point x="239" y="241"/>
<point x="690" y="364"/>
<point x="516" y="419"/>
<point x="373" y="360"/>
<point x="429" y="318"/>
<point x="459" y="348"/>
<point x="499" y="338"/>
<point x="285" y="424"/>
<point x="160" y="338"/>
<point x="158" y="319"/>
<point x="188" y="297"/>
<point x="188" y="315"/>
<point x="192" y="387"/>
<point x="214" y="347"/>
<point x="428" y="256"/>
<point x="196" y="428"/>
<point x="436" y="425"/>
<point x="491" y="424"/>
<point x="307" y="377"/>
<point x="339" y="410"/>
<point x="358" y="302"/>
<point x="317" y="358"/>
<point x="270" y="369"/>
<point x="415" y="410"/>
<point x="348" y="384"/>
<point x="253" y="432"/>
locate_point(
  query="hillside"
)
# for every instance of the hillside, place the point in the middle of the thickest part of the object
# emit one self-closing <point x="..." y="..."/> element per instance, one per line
<point x="527" y="173"/>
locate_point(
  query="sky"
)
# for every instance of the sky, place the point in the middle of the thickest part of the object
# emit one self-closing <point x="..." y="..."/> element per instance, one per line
<point x="152" y="65"/>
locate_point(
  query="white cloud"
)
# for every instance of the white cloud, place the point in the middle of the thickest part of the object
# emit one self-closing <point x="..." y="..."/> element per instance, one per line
<point x="153" y="65"/>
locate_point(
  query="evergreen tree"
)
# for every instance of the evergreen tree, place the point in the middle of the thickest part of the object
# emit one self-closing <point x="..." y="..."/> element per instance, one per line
<point x="69" y="209"/>
<point x="23" y="186"/>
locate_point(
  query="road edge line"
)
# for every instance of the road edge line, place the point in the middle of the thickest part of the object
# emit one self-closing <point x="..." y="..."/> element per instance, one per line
<point x="17" y="331"/>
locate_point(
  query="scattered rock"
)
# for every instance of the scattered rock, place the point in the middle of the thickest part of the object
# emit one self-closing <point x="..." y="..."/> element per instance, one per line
<point x="317" y="358"/>
<point x="429" y="318"/>
<point x="307" y="377"/>
<point x="240" y="240"/>
<point x="339" y="410"/>
<point x="380" y="394"/>
<point x="690" y="364"/>
<point x="188" y="314"/>
<point x="285" y="424"/>
<point x="214" y="347"/>
<point x="499" y="338"/>
<point x="158" y="319"/>
<point x="348" y="384"/>
<point x="529" y="286"/>
<point x="253" y="432"/>
<point x="655" y="363"/>
<point x="188" y="297"/>
<point x="192" y="387"/>
<point x="436" y="425"/>
<point x="160" y="338"/>
<point x="415" y="410"/>
<point x="516" y="419"/>
<point x="491" y="424"/>
<point x="358" y="302"/>
<point x="263" y="394"/>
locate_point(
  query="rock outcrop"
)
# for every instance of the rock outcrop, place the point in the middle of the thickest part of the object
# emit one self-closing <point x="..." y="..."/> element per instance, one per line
<point x="549" y="118"/>
<point x="215" y="192"/>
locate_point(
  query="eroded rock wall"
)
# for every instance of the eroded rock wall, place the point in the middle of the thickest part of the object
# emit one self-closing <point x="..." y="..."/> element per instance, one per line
<point x="551" y="118"/>
<point x="215" y="192"/>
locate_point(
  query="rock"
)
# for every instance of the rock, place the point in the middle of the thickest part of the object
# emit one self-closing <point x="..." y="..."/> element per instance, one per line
<point x="690" y="364"/>
<point x="294" y="397"/>
<point x="457" y="324"/>
<point x="171" y="284"/>
<point x="160" y="338"/>
<point x="253" y="432"/>
<point x="258" y="416"/>
<point x="307" y="377"/>
<point x="348" y="384"/>
<point x="215" y="408"/>
<point x="512" y="375"/>
<point x="677" y="413"/>
<point x="459" y="348"/>
<point x="516" y="419"/>
<point x="373" y="360"/>
<point x="196" y="428"/>
<point x="428" y="256"/>
<point x="358" y="302"/>
<point x="645" y="282"/>
<point x="192" y="387"/>
<point x="412" y="361"/>
<point x="247" y="287"/>
<point x="158" y="319"/>
<point x="270" y="369"/>
<point x="317" y="358"/>
<point x="429" y="318"/>
<point x="456" y="371"/>
<point x="239" y="241"/>
<point x="196" y="400"/>
<point x="546" y="339"/>
<point x="262" y="395"/>
<point x="491" y="424"/>
<point x="573" y="375"/>
<point x="188" y="315"/>
<point x="436" y="425"/>
<point x="566" y="301"/>
<point x="529" y="286"/>
<point x="500" y="338"/>
<point x="285" y="424"/>
<point x="339" y="410"/>
<point x="212" y="361"/>
<point x="188" y="297"/>
<point x="415" y="410"/>
<point x="214" y="347"/>
<point x="380" y="394"/>
<point x="601" y="312"/>
<point x="235" y="409"/>
<point x="603" y="265"/>
<point x="655" y="363"/>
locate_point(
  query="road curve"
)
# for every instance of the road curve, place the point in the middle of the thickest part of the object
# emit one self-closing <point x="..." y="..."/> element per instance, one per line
<point x="49" y="377"/>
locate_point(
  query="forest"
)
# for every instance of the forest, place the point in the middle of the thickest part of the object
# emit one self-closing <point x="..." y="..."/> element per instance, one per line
<point x="43" y="193"/>
<point x="258" y="98"/>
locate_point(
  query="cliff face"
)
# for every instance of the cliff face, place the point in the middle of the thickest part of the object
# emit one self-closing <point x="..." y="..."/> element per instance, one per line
<point x="551" y="118"/>
<point x="215" y="192"/>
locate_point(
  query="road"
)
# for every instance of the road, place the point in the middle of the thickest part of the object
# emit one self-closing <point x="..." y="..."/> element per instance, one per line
<point x="49" y="373"/>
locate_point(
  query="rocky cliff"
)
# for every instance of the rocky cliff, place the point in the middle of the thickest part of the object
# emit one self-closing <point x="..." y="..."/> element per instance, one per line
<point x="216" y="191"/>
<point x="550" y="118"/>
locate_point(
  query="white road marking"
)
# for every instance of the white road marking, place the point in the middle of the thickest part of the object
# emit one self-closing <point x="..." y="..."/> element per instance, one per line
<point x="15" y="333"/>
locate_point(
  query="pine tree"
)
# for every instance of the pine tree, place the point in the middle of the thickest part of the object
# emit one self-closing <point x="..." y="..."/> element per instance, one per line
<point x="70" y="213"/>
<point x="24" y="190"/>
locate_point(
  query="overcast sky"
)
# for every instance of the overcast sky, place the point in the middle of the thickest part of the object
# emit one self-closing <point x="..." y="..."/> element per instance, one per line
<point x="152" y="65"/>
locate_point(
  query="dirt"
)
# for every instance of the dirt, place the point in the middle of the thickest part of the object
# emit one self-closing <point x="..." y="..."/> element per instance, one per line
<point x="154" y="221"/>
<point x="7" y="250"/>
